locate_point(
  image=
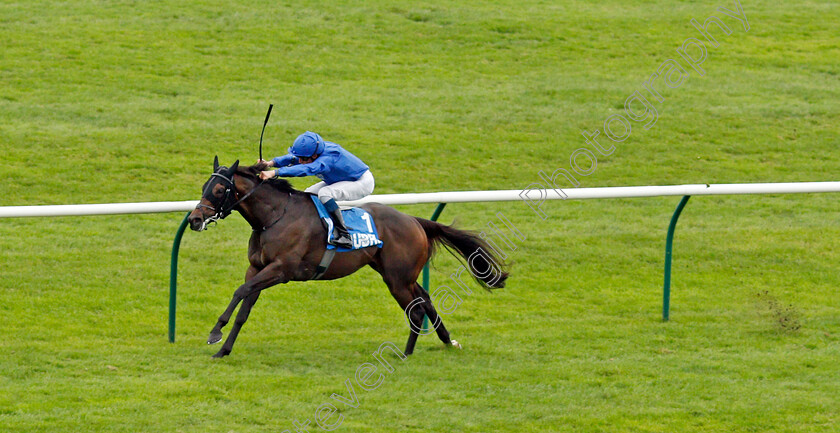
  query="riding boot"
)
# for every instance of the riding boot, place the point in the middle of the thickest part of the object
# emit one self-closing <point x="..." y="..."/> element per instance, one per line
<point x="342" y="236"/>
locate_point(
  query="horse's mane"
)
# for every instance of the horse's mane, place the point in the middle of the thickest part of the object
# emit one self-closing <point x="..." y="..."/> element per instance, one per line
<point x="253" y="172"/>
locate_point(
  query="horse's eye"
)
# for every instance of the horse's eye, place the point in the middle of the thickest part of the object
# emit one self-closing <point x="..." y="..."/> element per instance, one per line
<point x="218" y="190"/>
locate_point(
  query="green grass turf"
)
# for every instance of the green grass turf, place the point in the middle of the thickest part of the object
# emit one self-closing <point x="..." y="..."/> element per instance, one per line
<point x="129" y="101"/>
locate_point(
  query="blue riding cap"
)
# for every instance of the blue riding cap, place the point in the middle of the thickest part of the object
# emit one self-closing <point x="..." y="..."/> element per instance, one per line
<point x="307" y="144"/>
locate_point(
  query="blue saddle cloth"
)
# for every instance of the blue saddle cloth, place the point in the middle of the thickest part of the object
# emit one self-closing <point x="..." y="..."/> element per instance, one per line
<point x="359" y="223"/>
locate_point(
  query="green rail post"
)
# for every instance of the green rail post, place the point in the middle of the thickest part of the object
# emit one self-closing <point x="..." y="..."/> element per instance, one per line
<point x="669" y="245"/>
<point x="173" y="276"/>
<point x="435" y="216"/>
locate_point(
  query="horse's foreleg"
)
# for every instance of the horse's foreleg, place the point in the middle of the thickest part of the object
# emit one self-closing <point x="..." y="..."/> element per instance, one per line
<point x="265" y="278"/>
<point x="241" y="318"/>
<point x="216" y="332"/>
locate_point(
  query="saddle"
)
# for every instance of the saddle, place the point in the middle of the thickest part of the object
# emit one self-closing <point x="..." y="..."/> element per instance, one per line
<point x="359" y="224"/>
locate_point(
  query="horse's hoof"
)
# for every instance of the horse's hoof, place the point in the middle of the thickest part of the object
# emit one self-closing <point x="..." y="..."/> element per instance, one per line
<point x="221" y="354"/>
<point x="456" y="344"/>
<point x="214" y="338"/>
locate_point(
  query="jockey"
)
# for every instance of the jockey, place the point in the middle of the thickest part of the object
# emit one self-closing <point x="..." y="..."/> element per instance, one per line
<point x="344" y="177"/>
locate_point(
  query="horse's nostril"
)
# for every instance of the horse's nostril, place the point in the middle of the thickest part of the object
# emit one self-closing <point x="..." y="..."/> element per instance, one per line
<point x="195" y="222"/>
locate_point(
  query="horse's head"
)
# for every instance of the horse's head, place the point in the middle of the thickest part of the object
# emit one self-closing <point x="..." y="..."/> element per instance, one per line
<point x="217" y="199"/>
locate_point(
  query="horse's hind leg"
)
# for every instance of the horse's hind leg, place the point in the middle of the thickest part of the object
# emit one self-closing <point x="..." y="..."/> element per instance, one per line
<point x="402" y="293"/>
<point x="434" y="318"/>
<point x="415" y="318"/>
<point x="419" y="305"/>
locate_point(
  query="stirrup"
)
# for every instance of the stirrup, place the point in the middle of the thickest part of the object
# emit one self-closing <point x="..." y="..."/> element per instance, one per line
<point x="343" y="240"/>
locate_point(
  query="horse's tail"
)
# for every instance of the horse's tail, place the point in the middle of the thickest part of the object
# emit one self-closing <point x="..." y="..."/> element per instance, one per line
<point x="490" y="270"/>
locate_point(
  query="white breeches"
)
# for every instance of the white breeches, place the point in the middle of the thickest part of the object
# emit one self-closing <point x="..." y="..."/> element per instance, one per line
<point x="344" y="191"/>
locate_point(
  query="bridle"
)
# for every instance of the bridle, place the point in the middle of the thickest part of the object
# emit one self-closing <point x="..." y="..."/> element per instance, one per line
<point x="221" y="208"/>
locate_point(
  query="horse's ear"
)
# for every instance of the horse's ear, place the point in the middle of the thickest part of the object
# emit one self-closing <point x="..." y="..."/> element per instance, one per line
<point x="234" y="166"/>
<point x="216" y="163"/>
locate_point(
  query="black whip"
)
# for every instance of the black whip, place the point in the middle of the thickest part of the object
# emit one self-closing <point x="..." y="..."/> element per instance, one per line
<point x="267" y="115"/>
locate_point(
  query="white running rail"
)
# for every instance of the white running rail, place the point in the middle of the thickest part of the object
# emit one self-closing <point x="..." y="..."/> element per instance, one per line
<point x="532" y="196"/>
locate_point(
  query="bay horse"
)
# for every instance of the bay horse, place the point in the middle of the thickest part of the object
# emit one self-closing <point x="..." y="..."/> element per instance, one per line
<point x="288" y="242"/>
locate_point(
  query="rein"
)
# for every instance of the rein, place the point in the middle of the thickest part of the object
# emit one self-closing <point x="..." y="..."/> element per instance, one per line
<point x="224" y="210"/>
<point x="277" y="220"/>
<point x="248" y="194"/>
